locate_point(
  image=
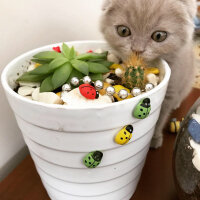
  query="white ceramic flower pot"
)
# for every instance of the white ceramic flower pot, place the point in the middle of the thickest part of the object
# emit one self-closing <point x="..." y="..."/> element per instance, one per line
<point x="59" y="137"/>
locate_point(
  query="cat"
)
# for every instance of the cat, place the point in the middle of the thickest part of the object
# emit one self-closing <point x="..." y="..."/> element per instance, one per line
<point x="155" y="29"/>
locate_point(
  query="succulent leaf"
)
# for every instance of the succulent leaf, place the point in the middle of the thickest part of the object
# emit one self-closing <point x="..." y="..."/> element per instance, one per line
<point x="65" y="50"/>
<point x="80" y="66"/>
<point x="97" y="68"/>
<point x="57" y="62"/>
<point x="27" y="77"/>
<point x="47" y="55"/>
<point x="42" y="69"/>
<point x="61" y="75"/>
<point x="89" y="56"/>
<point x="47" y="85"/>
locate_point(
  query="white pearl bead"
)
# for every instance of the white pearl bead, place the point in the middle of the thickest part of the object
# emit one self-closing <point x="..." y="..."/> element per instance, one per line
<point x="75" y="81"/>
<point x="98" y="85"/>
<point x="123" y="94"/>
<point x="148" y="87"/>
<point x="110" y="91"/>
<point x="86" y="80"/>
<point x="136" y="91"/>
<point x="66" y="87"/>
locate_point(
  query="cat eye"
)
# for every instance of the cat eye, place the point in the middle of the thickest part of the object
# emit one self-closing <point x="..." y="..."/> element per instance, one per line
<point x="159" y="36"/>
<point x="123" y="31"/>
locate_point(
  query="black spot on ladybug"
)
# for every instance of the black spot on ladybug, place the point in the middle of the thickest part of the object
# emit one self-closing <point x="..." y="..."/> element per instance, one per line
<point x="124" y="132"/>
<point x="94" y="166"/>
<point x="139" y="116"/>
<point x="121" y="138"/>
<point x="90" y="163"/>
<point x="126" y="137"/>
<point x="144" y="113"/>
<point x="89" y="158"/>
<point x="141" y="109"/>
<point x="85" y="161"/>
<point x="88" y="93"/>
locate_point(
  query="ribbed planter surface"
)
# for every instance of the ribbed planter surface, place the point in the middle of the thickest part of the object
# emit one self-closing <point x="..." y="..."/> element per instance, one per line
<point x="59" y="137"/>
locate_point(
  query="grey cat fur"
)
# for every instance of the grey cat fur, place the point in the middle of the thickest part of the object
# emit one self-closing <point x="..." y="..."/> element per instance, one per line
<point x="143" y="17"/>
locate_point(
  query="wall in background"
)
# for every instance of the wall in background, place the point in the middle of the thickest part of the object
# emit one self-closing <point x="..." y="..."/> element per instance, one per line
<point x="27" y="24"/>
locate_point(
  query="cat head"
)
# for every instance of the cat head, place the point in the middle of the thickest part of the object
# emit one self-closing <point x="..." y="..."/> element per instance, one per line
<point x="153" y="28"/>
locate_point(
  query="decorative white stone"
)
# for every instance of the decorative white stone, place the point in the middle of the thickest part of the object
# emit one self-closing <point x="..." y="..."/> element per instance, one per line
<point x="98" y="51"/>
<point x="75" y="99"/>
<point x="49" y="98"/>
<point x="112" y="58"/>
<point x="31" y="67"/>
<point x="25" y="91"/>
<point x="30" y="84"/>
<point x="35" y="94"/>
<point x="119" y="72"/>
<point x="152" y="78"/>
<point x="110" y="81"/>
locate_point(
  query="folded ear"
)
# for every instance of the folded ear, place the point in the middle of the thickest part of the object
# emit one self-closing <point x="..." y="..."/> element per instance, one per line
<point x="106" y="5"/>
<point x="191" y="6"/>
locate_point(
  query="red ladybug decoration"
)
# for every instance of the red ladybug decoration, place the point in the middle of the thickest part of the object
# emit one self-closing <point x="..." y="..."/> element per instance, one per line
<point x="57" y="49"/>
<point x="88" y="91"/>
<point x="90" y="51"/>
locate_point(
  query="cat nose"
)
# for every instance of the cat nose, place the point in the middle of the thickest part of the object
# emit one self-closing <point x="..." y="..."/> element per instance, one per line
<point x="138" y="50"/>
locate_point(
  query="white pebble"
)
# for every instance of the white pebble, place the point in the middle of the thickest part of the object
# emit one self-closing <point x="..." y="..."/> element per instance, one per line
<point x="119" y="72"/>
<point x="49" y="98"/>
<point x="152" y="78"/>
<point x="98" y="51"/>
<point x="112" y="58"/>
<point x="75" y="99"/>
<point x="110" y="81"/>
<point x="31" y="67"/>
<point x="30" y="84"/>
<point x="35" y="94"/>
<point x="25" y="91"/>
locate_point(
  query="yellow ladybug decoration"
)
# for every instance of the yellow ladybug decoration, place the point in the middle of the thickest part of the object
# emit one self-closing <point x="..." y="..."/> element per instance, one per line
<point x="175" y="125"/>
<point x="124" y="135"/>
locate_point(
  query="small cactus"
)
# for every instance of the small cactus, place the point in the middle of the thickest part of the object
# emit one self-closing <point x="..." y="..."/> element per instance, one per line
<point x="134" y="75"/>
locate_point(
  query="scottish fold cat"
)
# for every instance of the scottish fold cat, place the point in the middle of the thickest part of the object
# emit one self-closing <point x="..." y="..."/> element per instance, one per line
<point x="155" y="29"/>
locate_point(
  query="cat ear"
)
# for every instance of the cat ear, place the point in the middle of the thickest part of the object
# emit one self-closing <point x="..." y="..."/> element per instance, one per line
<point x="106" y="5"/>
<point x="191" y="6"/>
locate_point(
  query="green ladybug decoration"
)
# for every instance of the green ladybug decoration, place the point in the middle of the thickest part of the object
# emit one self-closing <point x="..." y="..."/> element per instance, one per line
<point x="93" y="159"/>
<point x="143" y="109"/>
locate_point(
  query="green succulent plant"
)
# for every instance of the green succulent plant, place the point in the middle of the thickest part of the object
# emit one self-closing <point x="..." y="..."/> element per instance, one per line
<point x="57" y="68"/>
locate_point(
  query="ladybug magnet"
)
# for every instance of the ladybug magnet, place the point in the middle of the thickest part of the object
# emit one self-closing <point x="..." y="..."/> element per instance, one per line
<point x="93" y="159"/>
<point x="88" y="91"/>
<point x="124" y="135"/>
<point x="143" y="109"/>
